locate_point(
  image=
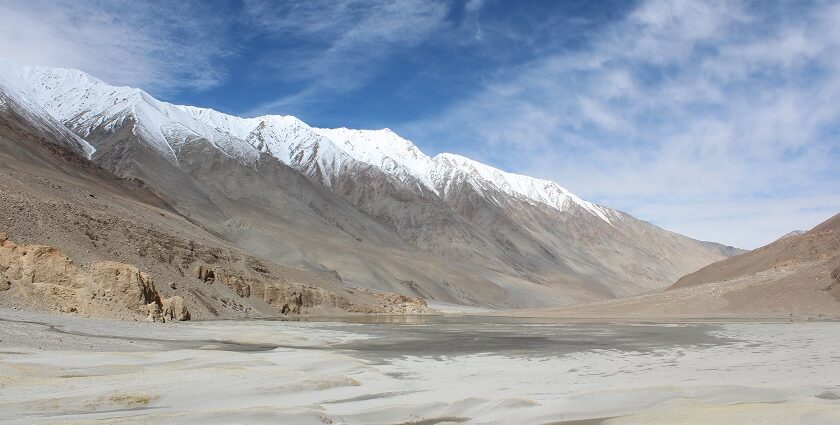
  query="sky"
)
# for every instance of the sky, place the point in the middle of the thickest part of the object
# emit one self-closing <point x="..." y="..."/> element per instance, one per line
<point x="716" y="119"/>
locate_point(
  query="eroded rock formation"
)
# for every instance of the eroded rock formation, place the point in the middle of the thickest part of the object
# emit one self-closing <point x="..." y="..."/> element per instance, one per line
<point x="43" y="275"/>
<point x="296" y="298"/>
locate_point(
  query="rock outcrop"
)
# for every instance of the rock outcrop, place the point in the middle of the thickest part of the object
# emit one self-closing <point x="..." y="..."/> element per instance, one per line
<point x="401" y="304"/>
<point x="42" y="275"/>
<point x="298" y="298"/>
<point x="833" y="288"/>
<point x="205" y="275"/>
<point x="174" y="308"/>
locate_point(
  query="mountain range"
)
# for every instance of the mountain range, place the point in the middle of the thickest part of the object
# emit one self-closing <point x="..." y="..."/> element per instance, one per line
<point x="361" y="209"/>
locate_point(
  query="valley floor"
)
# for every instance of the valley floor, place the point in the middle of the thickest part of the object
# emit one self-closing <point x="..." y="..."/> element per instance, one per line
<point x="426" y="370"/>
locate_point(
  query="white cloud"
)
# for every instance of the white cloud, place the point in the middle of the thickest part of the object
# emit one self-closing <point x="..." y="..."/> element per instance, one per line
<point x="741" y="219"/>
<point x="683" y="106"/>
<point x="341" y="43"/>
<point x="160" y="46"/>
<point x="718" y="119"/>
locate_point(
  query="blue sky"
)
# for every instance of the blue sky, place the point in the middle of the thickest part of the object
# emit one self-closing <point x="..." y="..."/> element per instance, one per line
<point x="716" y="119"/>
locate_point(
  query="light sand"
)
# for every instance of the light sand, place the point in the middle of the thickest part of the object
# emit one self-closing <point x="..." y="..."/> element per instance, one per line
<point x="472" y="371"/>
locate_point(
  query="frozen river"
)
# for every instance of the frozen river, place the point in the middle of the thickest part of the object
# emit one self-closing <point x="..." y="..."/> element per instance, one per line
<point x="424" y="370"/>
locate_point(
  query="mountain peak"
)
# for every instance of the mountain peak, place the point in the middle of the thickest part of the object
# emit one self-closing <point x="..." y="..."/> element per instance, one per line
<point x="84" y="103"/>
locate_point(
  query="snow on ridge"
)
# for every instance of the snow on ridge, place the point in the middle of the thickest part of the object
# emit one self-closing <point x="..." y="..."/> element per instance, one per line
<point x="231" y="124"/>
<point x="544" y="191"/>
<point x="385" y="150"/>
<point x="85" y="103"/>
<point x="398" y="156"/>
<point x="284" y="137"/>
<point x="15" y="86"/>
<point x="69" y="94"/>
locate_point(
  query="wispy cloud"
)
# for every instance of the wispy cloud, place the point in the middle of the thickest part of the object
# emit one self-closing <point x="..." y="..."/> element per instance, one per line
<point x="337" y="46"/>
<point x="161" y="46"/>
<point x="681" y="103"/>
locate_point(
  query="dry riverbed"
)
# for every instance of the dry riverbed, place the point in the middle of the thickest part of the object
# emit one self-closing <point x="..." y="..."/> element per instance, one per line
<point x="425" y="370"/>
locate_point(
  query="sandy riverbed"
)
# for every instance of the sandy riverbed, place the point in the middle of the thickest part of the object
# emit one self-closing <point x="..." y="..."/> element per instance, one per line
<point x="424" y="370"/>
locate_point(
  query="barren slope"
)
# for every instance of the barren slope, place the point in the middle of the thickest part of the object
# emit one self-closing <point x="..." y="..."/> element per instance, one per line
<point x="798" y="276"/>
<point x="820" y="244"/>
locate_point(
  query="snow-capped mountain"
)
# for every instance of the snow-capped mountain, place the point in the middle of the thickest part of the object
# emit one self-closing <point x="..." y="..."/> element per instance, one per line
<point x="403" y="160"/>
<point x="85" y="103"/>
<point x="18" y="96"/>
<point x="372" y="207"/>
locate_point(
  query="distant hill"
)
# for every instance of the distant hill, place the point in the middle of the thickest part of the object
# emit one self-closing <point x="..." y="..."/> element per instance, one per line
<point x="793" y="233"/>
<point x="796" y="276"/>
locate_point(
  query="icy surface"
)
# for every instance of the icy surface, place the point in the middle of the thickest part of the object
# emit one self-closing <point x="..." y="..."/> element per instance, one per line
<point x="441" y="369"/>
